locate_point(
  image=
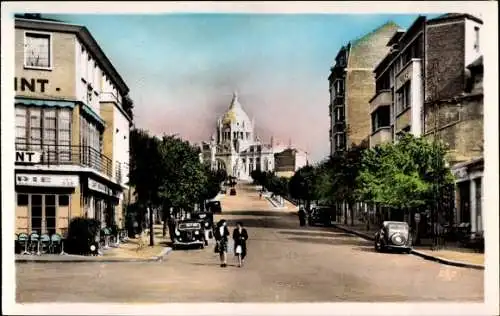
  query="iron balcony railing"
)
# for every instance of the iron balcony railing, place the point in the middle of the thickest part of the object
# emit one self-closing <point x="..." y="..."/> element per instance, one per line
<point x="85" y="156"/>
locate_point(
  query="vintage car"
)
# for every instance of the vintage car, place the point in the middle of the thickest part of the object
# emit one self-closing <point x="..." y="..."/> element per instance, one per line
<point x="393" y="236"/>
<point x="207" y="222"/>
<point x="232" y="191"/>
<point x="320" y="215"/>
<point x="189" y="232"/>
<point x="213" y="206"/>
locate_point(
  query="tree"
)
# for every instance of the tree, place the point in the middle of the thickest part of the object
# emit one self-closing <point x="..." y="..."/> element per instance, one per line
<point x="128" y="106"/>
<point x="301" y="185"/>
<point x="405" y="175"/>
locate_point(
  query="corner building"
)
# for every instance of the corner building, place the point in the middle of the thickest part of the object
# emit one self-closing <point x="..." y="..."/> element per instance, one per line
<point x="72" y="133"/>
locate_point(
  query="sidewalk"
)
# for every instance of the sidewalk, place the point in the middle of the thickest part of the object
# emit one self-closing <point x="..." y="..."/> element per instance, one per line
<point x="126" y="252"/>
<point x="460" y="257"/>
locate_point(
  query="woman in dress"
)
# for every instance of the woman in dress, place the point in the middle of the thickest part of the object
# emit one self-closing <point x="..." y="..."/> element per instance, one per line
<point x="240" y="237"/>
<point x="221" y="235"/>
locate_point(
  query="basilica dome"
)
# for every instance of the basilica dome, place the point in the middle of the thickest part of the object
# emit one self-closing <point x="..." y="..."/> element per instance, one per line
<point x="235" y="115"/>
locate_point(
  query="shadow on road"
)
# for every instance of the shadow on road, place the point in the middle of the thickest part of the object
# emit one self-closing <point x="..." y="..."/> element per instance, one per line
<point x="314" y="233"/>
<point x="261" y="223"/>
<point x="254" y="213"/>
<point x="332" y="241"/>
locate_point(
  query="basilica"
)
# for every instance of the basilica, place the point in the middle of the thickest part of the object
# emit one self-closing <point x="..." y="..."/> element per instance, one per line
<point x="235" y="148"/>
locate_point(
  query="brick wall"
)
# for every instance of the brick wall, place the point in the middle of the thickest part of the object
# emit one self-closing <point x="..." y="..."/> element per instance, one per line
<point x="460" y="126"/>
<point x="445" y="60"/>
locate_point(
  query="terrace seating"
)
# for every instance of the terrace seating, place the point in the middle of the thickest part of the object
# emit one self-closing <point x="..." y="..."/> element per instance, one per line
<point x="44" y="246"/>
<point x="56" y="244"/>
<point x="34" y="243"/>
<point x="23" y="243"/>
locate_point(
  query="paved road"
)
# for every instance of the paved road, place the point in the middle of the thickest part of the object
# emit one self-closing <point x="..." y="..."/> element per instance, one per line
<point x="285" y="264"/>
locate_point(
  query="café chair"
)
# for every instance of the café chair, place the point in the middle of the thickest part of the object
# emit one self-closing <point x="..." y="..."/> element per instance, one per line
<point x="45" y="243"/>
<point x="35" y="243"/>
<point x="23" y="241"/>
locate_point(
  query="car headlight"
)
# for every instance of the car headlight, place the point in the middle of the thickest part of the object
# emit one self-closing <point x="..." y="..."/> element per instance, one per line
<point x="206" y="224"/>
<point x="177" y="233"/>
<point x="196" y="232"/>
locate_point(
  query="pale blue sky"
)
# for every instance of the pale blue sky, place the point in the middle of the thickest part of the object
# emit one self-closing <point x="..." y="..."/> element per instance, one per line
<point x="182" y="68"/>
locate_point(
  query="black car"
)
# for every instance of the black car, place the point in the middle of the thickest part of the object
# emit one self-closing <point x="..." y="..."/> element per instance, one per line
<point x="214" y="207"/>
<point x="320" y="215"/>
<point x="189" y="232"/>
<point x="232" y="192"/>
<point x="207" y="223"/>
<point x="393" y="236"/>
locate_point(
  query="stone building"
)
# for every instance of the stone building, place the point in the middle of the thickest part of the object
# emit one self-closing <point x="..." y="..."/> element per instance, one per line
<point x="430" y="84"/>
<point x="288" y="161"/>
<point x="235" y="147"/>
<point x="72" y="146"/>
<point x="352" y="84"/>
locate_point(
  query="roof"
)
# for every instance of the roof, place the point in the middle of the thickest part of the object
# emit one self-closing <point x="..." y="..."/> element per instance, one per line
<point x="83" y="34"/>
<point x="476" y="63"/>
<point x="395" y="38"/>
<point x="235" y="113"/>
<point x="455" y="16"/>
<point x="365" y="37"/>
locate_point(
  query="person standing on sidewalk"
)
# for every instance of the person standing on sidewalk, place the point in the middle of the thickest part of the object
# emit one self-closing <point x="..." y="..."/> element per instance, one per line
<point x="240" y="237"/>
<point x="221" y="235"/>
<point x="302" y="216"/>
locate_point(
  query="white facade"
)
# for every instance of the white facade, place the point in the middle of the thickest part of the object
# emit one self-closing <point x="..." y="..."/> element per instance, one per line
<point x="472" y="41"/>
<point x="235" y="147"/>
<point x="88" y="78"/>
<point x="121" y="144"/>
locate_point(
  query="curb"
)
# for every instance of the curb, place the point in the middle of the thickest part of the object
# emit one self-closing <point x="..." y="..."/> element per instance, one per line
<point x="420" y="253"/>
<point x="76" y="258"/>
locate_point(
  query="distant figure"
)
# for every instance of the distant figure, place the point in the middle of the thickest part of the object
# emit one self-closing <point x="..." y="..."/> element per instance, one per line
<point x="221" y="235"/>
<point x="302" y="216"/>
<point x="260" y="195"/>
<point x="240" y="237"/>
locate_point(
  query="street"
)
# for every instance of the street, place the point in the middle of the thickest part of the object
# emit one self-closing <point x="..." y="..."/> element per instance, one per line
<point x="286" y="263"/>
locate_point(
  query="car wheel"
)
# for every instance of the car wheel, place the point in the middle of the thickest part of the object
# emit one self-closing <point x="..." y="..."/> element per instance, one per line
<point x="377" y="246"/>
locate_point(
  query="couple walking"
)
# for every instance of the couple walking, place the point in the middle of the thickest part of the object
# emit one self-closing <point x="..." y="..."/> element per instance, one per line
<point x="240" y="237"/>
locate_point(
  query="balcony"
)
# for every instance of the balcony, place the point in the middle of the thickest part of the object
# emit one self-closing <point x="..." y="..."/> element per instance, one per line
<point x="67" y="155"/>
<point x="382" y="97"/>
<point x="380" y="136"/>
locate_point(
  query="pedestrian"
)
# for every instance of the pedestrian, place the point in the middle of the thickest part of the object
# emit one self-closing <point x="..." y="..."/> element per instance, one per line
<point x="240" y="237"/>
<point x="221" y="235"/>
<point x="302" y="216"/>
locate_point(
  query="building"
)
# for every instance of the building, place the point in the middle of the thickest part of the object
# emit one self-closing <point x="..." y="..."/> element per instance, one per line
<point x="430" y="84"/>
<point x="235" y="147"/>
<point x="352" y="84"/>
<point x="287" y="162"/>
<point x="72" y="130"/>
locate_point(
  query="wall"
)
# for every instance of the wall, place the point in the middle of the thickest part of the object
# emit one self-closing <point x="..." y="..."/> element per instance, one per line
<point x="472" y="53"/>
<point x="460" y="127"/>
<point x="417" y="98"/>
<point x="87" y="73"/>
<point x="445" y="59"/>
<point x="61" y="83"/>
<point x="121" y="142"/>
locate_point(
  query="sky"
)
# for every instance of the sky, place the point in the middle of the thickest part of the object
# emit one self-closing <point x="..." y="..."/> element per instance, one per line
<point x="182" y="69"/>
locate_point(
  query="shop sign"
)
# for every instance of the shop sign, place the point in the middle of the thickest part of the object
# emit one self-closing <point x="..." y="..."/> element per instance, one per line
<point x="99" y="187"/>
<point x="31" y="84"/>
<point x="46" y="180"/>
<point x="460" y="173"/>
<point x="23" y="156"/>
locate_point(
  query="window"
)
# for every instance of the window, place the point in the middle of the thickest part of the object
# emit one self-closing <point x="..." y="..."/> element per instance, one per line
<point x="50" y="214"/>
<point x="383" y="83"/>
<point x="339" y="141"/>
<point x="21" y="127"/>
<point x="339" y="114"/>
<point x="37" y="50"/>
<point x="403" y="97"/>
<point x="36" y="213"/>
<point x="44" y="128"/>
<point x="22" y="199"/>
<point x="63" y="200"/>
<point x="476" y="42"/>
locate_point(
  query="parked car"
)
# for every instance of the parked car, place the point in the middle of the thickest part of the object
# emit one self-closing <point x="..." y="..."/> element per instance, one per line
<point x="214" y="207"/>
<point x="393" y="236"/>
<point x="320" y="215"/>
<point x="232" y="192"/>
<point x="207" y="222"/>
<point x="189" y="232"/>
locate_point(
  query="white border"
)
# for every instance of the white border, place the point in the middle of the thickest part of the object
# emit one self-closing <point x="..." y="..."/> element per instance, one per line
<point x="487" y="10"/>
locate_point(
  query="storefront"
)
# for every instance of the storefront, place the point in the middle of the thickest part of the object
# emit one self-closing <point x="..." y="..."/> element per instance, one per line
<point x="44" y="202"/>
<point x="100" y="201"/>
<point x="469" y="194"/>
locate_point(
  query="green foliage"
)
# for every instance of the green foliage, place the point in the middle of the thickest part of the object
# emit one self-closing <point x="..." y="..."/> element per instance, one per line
<point x="81" y="233"/>
<point x="301" y="185"/>
<point x="404" y="175"/>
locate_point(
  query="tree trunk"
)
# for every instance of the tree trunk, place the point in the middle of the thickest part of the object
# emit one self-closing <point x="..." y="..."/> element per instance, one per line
<point x="151" y="228"/>
<point x="166" y="217"/>
<point x="345" y="213"/>
<point x="351" y="211"/>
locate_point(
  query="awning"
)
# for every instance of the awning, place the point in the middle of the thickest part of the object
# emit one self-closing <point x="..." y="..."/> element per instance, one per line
<point x="88" y="110"/>
<point x="41" y="102"/>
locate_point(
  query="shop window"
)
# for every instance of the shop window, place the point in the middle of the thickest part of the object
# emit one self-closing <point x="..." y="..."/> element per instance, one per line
<point x="36" y="213"/>
<point x="50" y="214"/>
<point x="22" y="199"/>
<point x="63" y="200"/>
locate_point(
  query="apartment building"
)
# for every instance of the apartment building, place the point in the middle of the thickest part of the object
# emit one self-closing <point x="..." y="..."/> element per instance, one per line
<point x="430" y="84"/>
<point x="72" y="130"/>
<point x="287" y="162"/>
<point x="352" y="84"/>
